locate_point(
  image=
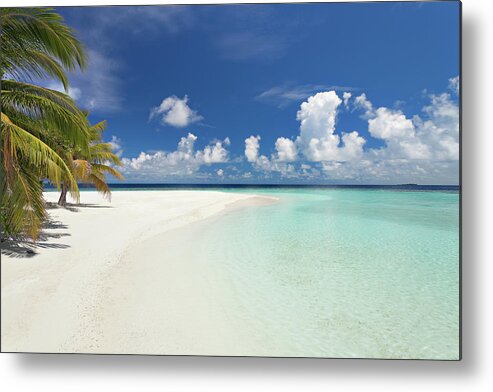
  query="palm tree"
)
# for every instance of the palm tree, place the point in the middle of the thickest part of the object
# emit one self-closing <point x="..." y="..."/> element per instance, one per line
<point x="92" y="166"/>
<point x="35" y="43"/>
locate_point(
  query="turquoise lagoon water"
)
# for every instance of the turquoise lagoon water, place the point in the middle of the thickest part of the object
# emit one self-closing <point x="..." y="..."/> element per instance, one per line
<point x="345" y="272"/>
<point x="340" y="272"/>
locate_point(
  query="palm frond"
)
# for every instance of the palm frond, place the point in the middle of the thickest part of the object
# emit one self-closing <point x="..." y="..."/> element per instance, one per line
<point x="100" y="168"/>
<point x="23" y="210"/>
<point x="99" y="181"/>
<point x="31" y="64"/>
<point x="20" y="145"/>
<point x="57" y="97"/>
<point x="103" y="152"/>
<point x="54" y="116"/>
<point x="99" y="128"/>
<point x="81" y="168"/>
<point x="45" y="29"/>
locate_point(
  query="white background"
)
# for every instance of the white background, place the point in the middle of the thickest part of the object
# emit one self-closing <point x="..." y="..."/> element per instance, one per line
<point x="21" y="372"/>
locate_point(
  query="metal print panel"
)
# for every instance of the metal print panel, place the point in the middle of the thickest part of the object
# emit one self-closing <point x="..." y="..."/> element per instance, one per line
<point x="275" y="180"/>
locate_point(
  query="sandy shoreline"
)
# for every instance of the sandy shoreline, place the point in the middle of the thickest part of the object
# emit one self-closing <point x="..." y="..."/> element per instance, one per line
<point x="115" y="278"/>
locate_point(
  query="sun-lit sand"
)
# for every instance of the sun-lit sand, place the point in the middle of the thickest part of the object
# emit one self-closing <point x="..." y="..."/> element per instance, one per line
<point x="103" y="280"/>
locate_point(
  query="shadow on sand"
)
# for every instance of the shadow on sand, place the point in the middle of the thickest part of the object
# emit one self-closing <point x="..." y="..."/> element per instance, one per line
<point x="75" y="207"/>
<point x="26" y="248"/>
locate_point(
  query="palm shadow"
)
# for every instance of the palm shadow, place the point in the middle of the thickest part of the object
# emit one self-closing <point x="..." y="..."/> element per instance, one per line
<point x="73" y="207"/>
<point x="25" y="248"/>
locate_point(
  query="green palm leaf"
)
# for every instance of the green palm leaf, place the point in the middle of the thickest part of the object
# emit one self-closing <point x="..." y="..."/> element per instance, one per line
<point x="23" y="209"/>
<point x="97" y="167"/>
<point x="20" y="145"/>
<point x="40" y="28"/>
<point x="56" y="113"/>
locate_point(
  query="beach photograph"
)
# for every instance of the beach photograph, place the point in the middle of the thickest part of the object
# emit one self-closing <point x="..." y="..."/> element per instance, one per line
<point x="244" y="180"/>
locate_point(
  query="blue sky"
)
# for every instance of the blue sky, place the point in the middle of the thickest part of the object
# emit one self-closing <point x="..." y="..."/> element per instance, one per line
<point x="219" y="76"/>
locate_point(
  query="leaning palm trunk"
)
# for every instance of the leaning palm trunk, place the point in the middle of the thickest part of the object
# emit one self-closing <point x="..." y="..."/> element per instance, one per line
<point x="92" y="166"/>
<point x="62" y="201"/>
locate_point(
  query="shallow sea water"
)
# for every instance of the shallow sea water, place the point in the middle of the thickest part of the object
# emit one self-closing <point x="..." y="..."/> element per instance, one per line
<point x="343" y="272"/>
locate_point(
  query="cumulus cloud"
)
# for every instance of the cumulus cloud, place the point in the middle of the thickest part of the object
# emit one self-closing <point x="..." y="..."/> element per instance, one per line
<point x="277" y="163"/>
<point x="317" y="139"/>
<point x="423" y="148"/>
<point x="399" y="134"/>
<point x="389" y="124"/>
<point x="215" y="153"/>
<point x="318" y="115"/>
<point x="185" y="160"/>
<point x="175" y="111"/>
<point x="286" y="150"/>
<point x="251" y="148"/>
<point x="439" y="128"/>
<point x="432" y="136"/>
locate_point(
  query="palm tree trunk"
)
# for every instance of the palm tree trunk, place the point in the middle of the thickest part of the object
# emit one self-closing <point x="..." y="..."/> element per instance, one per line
<point x="62" y="201"/>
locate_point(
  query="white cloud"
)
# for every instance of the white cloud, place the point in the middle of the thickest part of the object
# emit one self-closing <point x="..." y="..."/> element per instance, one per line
<point x="215" y="153"/>
<point x="346" y="96"/>
<point x="318" y="116"/>
<point x="184" y="161"/>
<point x="286" y="150"/>
<point x="440" y="127"/>
<point x="389" y="124"/>
<point x="275" y="163"/>
<point x="317" y="139"/>
<point x="251" y="148"/>
<point x="422" y="149"/>
<point x="454" y="84"/>
<point x="416" y="149"/>
<point x="434" y="137"/>
<point x="353" y="146"/>
<point x="363" y="103"/>
<point x="175" y="112"/>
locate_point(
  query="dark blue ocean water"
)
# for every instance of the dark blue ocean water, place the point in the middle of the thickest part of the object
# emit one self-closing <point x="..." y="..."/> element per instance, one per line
<point x="403" y="187"/>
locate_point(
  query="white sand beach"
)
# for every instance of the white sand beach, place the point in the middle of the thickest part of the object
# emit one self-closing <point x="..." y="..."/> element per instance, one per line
<point x="103" y="280"/>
